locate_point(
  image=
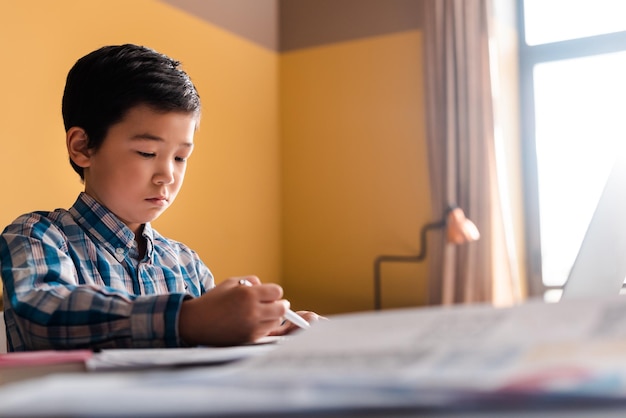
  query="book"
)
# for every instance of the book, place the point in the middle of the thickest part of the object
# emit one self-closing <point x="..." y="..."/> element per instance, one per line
<point x="29" y="364"/>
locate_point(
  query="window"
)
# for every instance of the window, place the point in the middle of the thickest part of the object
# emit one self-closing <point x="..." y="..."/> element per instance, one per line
<point x="573" y="92"/>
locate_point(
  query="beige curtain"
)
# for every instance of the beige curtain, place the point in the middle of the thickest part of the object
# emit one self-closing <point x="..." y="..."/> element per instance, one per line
<point x="462" y="156"/>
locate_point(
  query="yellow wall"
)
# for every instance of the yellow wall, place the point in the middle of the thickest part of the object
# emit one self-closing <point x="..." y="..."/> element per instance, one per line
<point x="354" y="171"/>
<point x="229" y="208"/>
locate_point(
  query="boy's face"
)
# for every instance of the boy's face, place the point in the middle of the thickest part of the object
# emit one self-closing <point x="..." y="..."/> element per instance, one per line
<point x="140" y="166"/>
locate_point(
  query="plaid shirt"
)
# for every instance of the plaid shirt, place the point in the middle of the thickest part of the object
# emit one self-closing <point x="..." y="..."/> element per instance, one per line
<point x="73" y="279"/>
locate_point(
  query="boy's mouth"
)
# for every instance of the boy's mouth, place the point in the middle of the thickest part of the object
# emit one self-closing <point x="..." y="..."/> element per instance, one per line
<point x="159" y="200"/>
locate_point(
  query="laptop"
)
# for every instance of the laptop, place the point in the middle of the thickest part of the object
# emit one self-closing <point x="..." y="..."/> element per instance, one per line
<point x="600" y="266"/>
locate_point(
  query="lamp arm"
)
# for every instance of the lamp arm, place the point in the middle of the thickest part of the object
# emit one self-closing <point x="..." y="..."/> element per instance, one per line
<point x="402" y="258"/>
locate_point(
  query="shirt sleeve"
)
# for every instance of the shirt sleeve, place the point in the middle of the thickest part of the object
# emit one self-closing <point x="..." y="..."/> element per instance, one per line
<point x="51" y="310"/>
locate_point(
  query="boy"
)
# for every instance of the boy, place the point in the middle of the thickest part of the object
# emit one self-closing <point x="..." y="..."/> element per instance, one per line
<point x="97" y="275"/>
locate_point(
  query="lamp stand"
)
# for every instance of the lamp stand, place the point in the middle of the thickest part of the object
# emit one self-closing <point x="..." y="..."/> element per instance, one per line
<point x="402" y="258"/>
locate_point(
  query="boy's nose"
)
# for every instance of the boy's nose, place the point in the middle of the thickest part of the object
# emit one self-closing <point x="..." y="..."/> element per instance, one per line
<point x="165" y="175"/>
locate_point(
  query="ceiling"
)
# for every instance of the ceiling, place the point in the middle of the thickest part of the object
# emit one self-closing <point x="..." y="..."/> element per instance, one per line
<point x="285" y="25"/>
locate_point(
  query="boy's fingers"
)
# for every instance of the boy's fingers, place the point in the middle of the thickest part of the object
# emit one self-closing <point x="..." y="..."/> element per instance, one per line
<point x="269" y="292"/>
<point x="273" y="311"/>
<point x="242" y="280"/>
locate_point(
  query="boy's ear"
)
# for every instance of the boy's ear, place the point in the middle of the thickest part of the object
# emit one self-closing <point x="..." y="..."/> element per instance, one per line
<point x="76" y="141"/>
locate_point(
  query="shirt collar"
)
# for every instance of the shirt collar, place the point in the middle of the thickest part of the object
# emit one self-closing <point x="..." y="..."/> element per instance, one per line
<point x="104" y="226"/>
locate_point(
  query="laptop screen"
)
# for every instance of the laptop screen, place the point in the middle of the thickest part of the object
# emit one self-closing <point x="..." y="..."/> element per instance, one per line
<point x="600" y="266"/>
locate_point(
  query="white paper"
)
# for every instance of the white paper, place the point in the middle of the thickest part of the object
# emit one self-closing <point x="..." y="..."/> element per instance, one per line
<point x="427" y="359"/>
<point x="560" y="347"/>
<point x="125" y="359"/>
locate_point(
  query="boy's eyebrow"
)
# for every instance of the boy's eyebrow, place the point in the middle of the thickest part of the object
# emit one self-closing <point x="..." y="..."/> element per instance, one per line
<point x="150" y="137"/>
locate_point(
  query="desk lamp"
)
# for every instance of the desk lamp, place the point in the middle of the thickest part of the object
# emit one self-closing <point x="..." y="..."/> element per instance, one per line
<point x="459" y="230"/>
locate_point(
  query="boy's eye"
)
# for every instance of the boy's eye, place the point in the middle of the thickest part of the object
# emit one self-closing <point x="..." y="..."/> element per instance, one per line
<point x="146" y="154"/>
<point x="181" y="159"/>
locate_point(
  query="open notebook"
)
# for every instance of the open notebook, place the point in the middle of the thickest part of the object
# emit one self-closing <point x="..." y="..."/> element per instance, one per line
<point x="600" y="266"/>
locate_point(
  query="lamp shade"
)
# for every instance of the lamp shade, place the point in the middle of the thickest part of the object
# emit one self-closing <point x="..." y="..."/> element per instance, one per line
<point x="459" y="229"/>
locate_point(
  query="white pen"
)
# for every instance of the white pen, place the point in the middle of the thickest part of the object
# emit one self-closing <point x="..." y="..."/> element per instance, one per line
<point x="290" y="315"/>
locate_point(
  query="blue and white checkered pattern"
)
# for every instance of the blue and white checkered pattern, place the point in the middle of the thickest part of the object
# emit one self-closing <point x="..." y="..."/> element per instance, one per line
<point x="73" y="279"/>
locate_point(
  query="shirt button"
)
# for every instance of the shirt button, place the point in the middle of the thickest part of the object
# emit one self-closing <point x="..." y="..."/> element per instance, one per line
<point x="119" y="254"/>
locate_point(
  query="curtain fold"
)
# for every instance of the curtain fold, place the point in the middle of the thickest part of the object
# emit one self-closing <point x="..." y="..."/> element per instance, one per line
<point x="461" y="153"/>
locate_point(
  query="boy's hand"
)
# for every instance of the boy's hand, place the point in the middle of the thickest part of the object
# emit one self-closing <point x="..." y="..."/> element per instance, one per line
<point x="288" y="327"/>
<point x="232" y="314"/>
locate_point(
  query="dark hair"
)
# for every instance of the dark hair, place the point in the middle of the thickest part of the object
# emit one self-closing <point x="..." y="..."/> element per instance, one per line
<point x="105" y="84"/>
